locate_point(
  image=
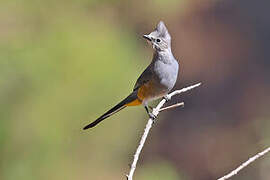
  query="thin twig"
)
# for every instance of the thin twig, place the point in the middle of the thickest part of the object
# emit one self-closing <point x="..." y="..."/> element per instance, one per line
<point x="172" y="106"/>
<point x="149" y="125"/>
<point x="242" y="166"/>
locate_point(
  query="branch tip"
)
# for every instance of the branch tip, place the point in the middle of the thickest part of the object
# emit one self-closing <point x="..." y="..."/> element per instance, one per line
<point x="172" y="106"/>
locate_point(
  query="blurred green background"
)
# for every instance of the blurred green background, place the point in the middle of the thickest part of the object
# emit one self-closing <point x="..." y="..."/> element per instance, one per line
<point x="63" y="63"/>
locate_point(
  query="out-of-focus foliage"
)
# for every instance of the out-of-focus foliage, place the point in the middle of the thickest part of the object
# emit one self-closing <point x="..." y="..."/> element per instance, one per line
<point x="60" y="68"/>
<point x="158" y="170"/>
<point x="63" y="63"/>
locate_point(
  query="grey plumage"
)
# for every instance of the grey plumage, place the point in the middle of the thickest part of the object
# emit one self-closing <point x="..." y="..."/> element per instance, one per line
<point x="157" y="79"/>
<point x="163" y="70"/>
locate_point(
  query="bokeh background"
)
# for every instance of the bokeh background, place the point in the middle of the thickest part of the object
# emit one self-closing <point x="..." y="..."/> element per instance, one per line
<point x="63" y="63"/>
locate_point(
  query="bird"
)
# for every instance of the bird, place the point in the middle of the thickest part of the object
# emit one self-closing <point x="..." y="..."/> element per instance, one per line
<point x="156" y="81"/>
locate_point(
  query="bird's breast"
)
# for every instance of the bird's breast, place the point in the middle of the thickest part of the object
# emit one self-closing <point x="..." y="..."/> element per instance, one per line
<point x="166" y="73"/>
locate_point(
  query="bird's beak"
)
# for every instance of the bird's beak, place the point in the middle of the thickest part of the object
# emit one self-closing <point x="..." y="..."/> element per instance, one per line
<point x="147" y="37"/>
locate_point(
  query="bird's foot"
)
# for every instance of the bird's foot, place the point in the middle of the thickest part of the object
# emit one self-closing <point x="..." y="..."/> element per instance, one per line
<point x="152" y="116"/>
<point x="167" y="98"/>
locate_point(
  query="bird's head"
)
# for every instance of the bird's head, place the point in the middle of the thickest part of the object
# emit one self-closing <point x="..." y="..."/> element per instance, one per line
<point x="159" y="38"/>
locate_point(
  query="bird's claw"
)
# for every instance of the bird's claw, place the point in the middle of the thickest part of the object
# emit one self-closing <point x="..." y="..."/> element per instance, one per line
<point x="167" y="98"/>
<point x="152" y="116"/>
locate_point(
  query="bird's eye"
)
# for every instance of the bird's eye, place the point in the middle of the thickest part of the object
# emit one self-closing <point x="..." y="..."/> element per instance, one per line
<point x="158" y="40"/>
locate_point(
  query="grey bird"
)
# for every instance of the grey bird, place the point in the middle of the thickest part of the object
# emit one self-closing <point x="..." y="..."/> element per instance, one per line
<point x="157" y="79"/>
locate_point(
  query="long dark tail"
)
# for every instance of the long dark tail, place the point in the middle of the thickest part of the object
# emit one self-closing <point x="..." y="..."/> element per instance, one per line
<point x="115" y="109"/>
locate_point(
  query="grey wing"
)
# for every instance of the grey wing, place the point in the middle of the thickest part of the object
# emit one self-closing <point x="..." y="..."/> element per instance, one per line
<point x="144" y="78"/>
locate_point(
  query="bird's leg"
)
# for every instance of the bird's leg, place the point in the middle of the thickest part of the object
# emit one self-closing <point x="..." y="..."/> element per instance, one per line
<point x="150" y="114"/>
<point x="167" y="98"/>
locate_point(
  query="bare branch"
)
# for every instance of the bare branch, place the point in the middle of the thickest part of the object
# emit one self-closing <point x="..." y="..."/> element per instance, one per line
<point x="149" y="125"/>
<point x="172" y="106"/>
<point x="242" y="166"/>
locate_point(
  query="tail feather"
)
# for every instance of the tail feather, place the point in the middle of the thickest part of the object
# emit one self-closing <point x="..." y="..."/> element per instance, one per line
<point x="115" y="109"/>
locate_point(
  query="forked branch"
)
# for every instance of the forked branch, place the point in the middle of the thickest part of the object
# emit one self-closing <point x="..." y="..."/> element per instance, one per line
<point x="150" y="123"/>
